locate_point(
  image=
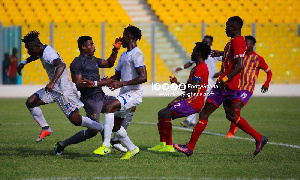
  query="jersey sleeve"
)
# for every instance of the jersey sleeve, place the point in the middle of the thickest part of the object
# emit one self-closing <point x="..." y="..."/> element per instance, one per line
<point x="262" y="64"/>
<point x="239" y="47"/>
<point x="50" y="55"/>
<point x="198" y="74"/>
<point x="98" y="60"/>
<point x="138" y="60"/>
<point x="118" y="67"/>
<point x="76" y="67"/>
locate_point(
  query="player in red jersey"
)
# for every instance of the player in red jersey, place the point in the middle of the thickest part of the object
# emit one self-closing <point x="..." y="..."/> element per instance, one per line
<point x="189" y="103"/>
<point x="232" y="65"/>
<point x="252" y="64"/>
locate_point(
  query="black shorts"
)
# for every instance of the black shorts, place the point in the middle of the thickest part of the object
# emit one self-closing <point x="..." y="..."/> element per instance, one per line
<point x="95" y="104"/>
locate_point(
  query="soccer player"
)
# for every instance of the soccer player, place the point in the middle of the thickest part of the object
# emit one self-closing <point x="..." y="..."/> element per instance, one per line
<point x="131" y="70"/>
<point x="252" y="64"/>
<point x="86" y="66"/>
<point x="211" y="64"/>
<point x="60" y="89"/>
<point x="189" y="103"/>
<point x="232" y="65"/>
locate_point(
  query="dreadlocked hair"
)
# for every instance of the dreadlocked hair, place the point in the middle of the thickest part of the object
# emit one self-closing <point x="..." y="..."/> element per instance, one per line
<point x="204" y="49"/>
<point x="31" y="36"/>
<point x="134" y="31"/>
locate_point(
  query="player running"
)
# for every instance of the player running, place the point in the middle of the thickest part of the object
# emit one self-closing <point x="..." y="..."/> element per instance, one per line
<point x="86" y="66"/>
<point x="211" y="65"/>
<point x="60" y="89"/>
<point x="232" y="65"/>
<point x="131" y="70"/>
<point x="252" y="64"/>
<point x="189" y="103"/>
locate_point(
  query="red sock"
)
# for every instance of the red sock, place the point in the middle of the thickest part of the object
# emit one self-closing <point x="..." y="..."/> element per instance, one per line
<point x="198" y="129"/>
<point x="234" y="127"/>
<point x="166" y="130"/>
<point x="243" y="124"/>
<point x="160" y="130"/>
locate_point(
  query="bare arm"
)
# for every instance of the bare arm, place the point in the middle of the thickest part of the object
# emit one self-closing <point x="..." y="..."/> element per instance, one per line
<point x="186" y="65"/>
<point x="60" y="67"/>
<point x="22" y="64"/>
<point x="110" y="61"/>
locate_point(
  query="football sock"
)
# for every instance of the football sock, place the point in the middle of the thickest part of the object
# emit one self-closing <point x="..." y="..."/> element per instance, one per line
<point x="167" y="130"/>
<point x="197" y="131"/>
<point x="123" y="137"/>
<point x="87" y="122"/>
<point x="108" y="127"/>
<point x="192" y="118"/>
<point x="160" y="130"/>
<point x="38" y="116"/>
<point x="125" y="124"/>
<point x="243" y="125"/>
<point x="232" y="125"/>
<point x="76" y="138"/>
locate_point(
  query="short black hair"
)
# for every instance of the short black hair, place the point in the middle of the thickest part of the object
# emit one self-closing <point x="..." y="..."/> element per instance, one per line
<point x="210" y="37"/>
<point x="204" y="49"/>
<point x="31" y="36"/>
<point x="238" y="20"/>
<point x="82" y="39"/>
<point x="134" y="31"/>
<point x="251" y="38"/>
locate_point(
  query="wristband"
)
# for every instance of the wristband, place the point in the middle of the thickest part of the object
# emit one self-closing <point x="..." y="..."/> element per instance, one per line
<point x="24" y="62"/>
<point x="115" y="52"/>
<point x="182" y="67"/>
<point x="95" y="84"/>
<point x="225" y="79"/>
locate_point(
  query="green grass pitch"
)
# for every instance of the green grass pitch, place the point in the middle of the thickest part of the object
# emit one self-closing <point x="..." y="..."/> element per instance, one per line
<point x="214" y="157"/>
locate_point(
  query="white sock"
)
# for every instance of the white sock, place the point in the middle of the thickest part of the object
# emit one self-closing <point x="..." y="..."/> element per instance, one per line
<point x="108" y="126"/>
<point x="87" y="122"/>
<point x="192" y="118"/>
<point x="123" y="137"/>
<point x="38" y="116"/>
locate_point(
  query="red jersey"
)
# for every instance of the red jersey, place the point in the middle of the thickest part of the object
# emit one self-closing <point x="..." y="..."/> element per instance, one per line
<point x="200" y="73"/>
<point x="234" y="49"/>
<point x="252" y="64"/>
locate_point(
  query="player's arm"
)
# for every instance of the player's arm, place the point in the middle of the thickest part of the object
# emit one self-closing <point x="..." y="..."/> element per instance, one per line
<point x="263" y="65"/>
<point x="142" y="78"/>
<point x="112" y="58"/>
<point x="60" y="67"/>
<point x="216" y="53"/>
<point x="236" y="69"/>
<point x="186" y="65"/>
<point x="116" y="76"/>
<point x="23" y="63"/>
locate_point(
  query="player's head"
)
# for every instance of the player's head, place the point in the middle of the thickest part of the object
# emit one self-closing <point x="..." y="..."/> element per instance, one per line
<point x="250" y="42"/>
<point x="86" y="45"/>
<point x="131" y="33"/>
<point x="33" y="43"/>
<point x="234" y="26"/>
<point x="201" y="51"/>
<point x="208" y="40"/>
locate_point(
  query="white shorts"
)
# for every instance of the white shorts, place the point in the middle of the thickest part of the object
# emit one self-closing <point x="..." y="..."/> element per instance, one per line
<point x="68" y="102"/>
<point x="128" y="100"/>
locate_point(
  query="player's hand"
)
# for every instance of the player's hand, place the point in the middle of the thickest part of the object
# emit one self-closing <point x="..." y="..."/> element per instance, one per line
<point x="115" y="85"/>
<point x="222" y="85"/>
<point x="49" y="87"/>
<point x="217" y="74"/>
<point x="178" y="69"/>
<point x="173" y="79"/>
<point x="103" y="78"/>
<point x="19" y="68"/>
<point x="216" y="53"/>
<point x="118" y="43"/>
<point x="264" y="89"/>
<point x="87" y="83"/>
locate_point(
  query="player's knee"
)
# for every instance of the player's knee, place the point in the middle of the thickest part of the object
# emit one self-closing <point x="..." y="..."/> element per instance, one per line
<point x="91" y="133"/>
<point x="76" y="121"/>
<point x="29" y="103"/>
<point x="231" y="117"/>
<point x="109" y="109"/>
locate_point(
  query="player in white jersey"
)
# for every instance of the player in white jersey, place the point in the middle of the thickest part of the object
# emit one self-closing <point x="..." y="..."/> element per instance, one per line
<point x="60" y="89"/>
<point x="211" y="65"/>
<point x="131" y="70"/>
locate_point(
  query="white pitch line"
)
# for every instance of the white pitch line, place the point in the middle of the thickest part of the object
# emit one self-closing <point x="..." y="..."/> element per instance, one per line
<point x="120" y="177"/>
<point x="223" y="135"/>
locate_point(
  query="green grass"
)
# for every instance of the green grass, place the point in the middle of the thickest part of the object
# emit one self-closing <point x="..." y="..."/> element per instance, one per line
<point x="214" y="156"/>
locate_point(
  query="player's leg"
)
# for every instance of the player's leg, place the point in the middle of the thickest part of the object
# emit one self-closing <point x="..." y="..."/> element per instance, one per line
<point x="33" y="102"/>
<point x="233" y="127"/>
<point x="115" y="142"/>
<point x="190" y="121"/>
<point x="93" y="109"/>
<point x="243" y="125"/>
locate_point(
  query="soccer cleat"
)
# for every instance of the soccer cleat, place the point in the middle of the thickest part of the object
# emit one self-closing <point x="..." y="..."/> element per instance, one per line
<point x="158" y="147"/>
<point x="185" y="123"/>
<point x="58" y="149"/>
<point x="167" y="148"/>
<point x="183" y="149"/>
<point x="229" y="135"/>
<point x="130" y="154"/>
<point x="260" y="144"/>
<point x="43" y="134"/>
<point x="102" y="150"/>
<point x="119" y="147"/>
